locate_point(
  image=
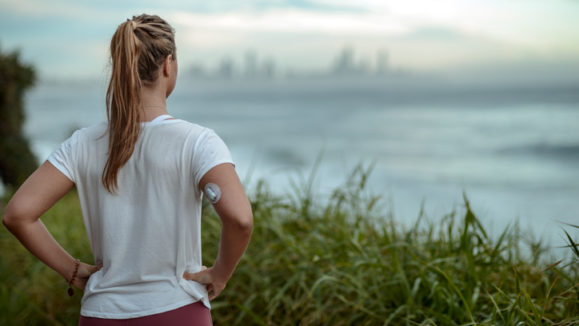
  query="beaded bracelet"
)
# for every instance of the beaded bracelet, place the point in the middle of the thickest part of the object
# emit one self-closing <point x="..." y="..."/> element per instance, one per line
<point x="70" y="289"/>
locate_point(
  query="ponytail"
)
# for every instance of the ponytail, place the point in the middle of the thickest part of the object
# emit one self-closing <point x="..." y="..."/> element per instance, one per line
<point x="136" y="55"/>
<point x="123" y="99"/>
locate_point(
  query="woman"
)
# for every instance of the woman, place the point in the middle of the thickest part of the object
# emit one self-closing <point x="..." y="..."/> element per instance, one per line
<point x="140" y="179"/>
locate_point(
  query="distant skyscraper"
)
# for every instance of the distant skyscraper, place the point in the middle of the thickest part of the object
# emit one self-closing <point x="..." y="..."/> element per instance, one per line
<point x="381" y="62"/>
<point x="268" y="68"/>
<point x="226" y="68"/>
<point x="344" y="63"/>
<point x="363" y="67"/>
<point x="197" y="70"/>
<point x="250" y="64"/>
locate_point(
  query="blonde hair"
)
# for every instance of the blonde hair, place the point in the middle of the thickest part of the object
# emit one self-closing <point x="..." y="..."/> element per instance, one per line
<point x="138" y="48"/>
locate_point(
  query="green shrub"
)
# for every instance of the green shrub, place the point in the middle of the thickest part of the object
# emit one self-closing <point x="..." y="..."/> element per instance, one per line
<point x="341" y="260"/>
<point x="17" y="161"/>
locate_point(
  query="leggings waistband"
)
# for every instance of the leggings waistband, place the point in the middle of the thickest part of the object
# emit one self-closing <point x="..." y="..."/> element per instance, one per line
<point x="194" y="314"/>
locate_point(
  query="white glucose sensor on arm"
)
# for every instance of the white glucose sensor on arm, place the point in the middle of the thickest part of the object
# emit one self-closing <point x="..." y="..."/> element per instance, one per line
<point x="212" y="192"/>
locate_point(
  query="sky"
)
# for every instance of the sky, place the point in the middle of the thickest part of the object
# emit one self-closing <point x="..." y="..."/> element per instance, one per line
<point x="67" y="39"/>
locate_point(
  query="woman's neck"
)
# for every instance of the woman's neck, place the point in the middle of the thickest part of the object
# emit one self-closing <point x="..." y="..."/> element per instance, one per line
<point x="153" y="103"/>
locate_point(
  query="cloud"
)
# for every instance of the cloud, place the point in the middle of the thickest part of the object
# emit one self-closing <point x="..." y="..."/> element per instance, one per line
<point x="523" y="22"/>
<point x="292" y="21"/>
<point x="418" y="34"/>
<point x="434" y="33"/>
<point x="31" y="9"/>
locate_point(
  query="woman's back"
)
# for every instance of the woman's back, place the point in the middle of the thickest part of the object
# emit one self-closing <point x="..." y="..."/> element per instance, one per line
<point x="147" y="233"/>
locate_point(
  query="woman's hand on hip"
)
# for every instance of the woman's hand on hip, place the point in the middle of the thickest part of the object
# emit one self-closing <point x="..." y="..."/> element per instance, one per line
<point x="84" y="273"/>
<point x="207" y="277"/>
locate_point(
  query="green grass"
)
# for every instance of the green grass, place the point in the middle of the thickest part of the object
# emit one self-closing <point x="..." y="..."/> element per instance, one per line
<point x="342" y="260"/>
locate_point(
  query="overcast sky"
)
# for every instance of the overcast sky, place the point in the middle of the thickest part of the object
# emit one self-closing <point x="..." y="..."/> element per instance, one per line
<point x="69" y="39"/>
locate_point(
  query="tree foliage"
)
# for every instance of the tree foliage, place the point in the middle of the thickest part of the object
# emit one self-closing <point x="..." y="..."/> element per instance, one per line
<point x="16" y="159"/>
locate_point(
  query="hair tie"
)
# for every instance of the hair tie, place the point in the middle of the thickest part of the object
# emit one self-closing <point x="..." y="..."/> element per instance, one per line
<point x="133" y="23"/>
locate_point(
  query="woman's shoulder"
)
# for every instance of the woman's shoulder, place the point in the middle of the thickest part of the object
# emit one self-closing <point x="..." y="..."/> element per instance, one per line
<point x="87" y="136"/>
<point x="96" y="130"/>
<point x="187" y="127"/>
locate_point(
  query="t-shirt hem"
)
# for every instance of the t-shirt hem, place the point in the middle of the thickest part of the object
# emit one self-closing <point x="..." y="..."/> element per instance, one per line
<point x="96" y="314"/>
<point x="211" y="166"/>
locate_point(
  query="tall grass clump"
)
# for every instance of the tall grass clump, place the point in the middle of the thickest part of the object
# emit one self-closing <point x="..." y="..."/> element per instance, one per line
<point x="339" y="260"/>
<point x="346" y="261"/>
<point x="30" y="292"/>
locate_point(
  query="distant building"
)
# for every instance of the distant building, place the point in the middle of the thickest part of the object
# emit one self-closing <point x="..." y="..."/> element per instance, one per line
<point x="251" y="64"/>
<point x="197" y="71"/>
<point x="226" y="68"/>
<point x="344" y="63"/>
<point x="381" y="62"/>
<point x="268" y="68"/>
<point x="363" y="67"/>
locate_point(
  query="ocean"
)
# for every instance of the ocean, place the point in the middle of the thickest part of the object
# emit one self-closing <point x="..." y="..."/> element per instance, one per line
<point x="514" y="149"/>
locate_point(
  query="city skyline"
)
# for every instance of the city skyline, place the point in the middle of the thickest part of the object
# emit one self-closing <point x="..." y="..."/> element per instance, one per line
<point x="252" y="65"/>
<point x="67" y="39"/>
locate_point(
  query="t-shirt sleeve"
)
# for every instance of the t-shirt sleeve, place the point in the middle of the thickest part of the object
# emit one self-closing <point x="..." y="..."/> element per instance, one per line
<point x="63" y="158"/>
<point x="210" y="151"/>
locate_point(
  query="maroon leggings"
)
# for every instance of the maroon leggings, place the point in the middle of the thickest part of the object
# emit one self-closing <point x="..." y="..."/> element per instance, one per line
<point x="195" y="314"/>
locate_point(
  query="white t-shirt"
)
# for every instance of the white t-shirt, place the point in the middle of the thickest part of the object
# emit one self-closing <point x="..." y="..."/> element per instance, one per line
<point x="149" y="232"/>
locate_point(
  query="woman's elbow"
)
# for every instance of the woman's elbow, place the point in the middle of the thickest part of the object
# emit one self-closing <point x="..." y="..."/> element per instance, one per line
<point x="236" y="216"/>
<point x="9" y="218"/>
<point x="245" y="223"/>
<point x="13" y="216"/>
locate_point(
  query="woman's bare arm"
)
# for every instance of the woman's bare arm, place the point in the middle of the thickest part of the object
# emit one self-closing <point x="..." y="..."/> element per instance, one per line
<point x="236" y="217"/>
<point x="22" y="217"/>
